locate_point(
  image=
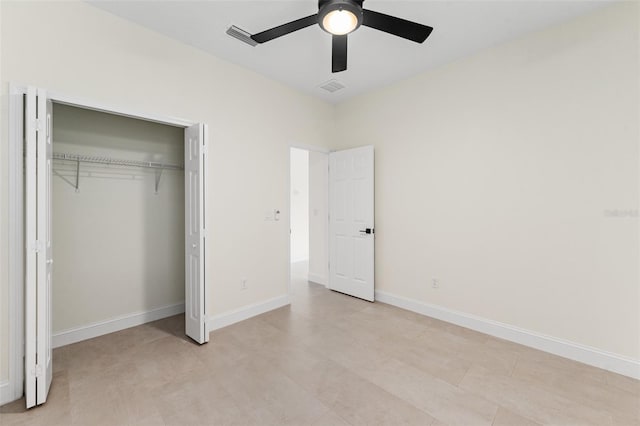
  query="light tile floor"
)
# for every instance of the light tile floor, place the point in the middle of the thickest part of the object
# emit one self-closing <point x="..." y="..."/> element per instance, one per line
<point x="328" y="359"/>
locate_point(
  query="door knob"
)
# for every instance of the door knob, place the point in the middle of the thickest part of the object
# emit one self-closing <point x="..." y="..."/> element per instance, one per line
<point x="194" y="245"/>
<point x="367" y="231"/>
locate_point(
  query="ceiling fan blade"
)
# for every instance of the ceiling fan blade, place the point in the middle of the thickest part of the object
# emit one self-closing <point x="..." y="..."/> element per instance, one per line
<point x="339" y="53"/>
<point x="396" y="26"/>
<point x="285" y="29"/>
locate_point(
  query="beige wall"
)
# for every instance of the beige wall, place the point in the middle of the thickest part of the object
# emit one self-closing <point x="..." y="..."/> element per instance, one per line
<point x="119" y="246"/>
<point x="299" y="200"/>
<point x="78" y="50"/>
<point x="499" y="175"/>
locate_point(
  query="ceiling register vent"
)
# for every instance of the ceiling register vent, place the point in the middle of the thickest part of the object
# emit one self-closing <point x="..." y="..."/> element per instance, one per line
<point x="241" y="35"/>
<point x="332" y="86"/>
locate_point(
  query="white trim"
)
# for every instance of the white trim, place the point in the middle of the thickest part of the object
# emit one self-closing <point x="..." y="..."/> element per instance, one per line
<point x="564" y="348"/>
<point x="222" y="320"/>
<point x="13" y="388"/>
<point x="117" y="110"/>
<point x="77" y="101"/>
<point x="317" y="278"/>
<point x="312" y="148"/>
<point x="122" y="322"/>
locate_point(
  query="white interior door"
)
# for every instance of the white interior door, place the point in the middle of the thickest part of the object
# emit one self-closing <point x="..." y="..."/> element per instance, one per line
<point x="194" y="173"/>
<point x="38" y="276"/>
<point x="351" y="222"/>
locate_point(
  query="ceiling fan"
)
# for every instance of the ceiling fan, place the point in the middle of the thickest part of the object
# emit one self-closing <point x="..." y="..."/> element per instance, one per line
<point x="341" y="17"/>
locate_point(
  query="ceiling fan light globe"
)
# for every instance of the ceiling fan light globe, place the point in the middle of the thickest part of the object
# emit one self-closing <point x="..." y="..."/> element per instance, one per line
<point x="340" y="22"/>
<point x="340" y="17"/>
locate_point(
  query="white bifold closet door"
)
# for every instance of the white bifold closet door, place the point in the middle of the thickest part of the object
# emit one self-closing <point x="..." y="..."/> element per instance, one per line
<point x="38" y="263"/>
<point x="38" y="175"/>
<point x="351" y="228"/>
<point x="194" y="166"/>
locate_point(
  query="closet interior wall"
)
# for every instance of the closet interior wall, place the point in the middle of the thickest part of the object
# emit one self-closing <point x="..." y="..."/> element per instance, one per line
<point x="118" y="244"/>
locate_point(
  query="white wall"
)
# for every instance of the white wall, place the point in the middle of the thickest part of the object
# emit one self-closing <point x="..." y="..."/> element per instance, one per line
<point x="318" y="211"/>
<point x="299" y="205"/>
<point x="76" y="49"/>
<point x="118" y="246"/>
<point x="498" y="175"/>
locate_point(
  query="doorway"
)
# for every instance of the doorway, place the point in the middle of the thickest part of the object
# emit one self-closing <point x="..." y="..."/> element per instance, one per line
<point x="308" y="202"/>
<point x="332" y="234"/>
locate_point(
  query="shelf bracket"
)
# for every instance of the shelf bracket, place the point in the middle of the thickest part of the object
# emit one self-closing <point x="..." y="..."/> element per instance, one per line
<point x="75" y="185"/>
<point x="158" y="176"/>
<point x="77" y="175"/>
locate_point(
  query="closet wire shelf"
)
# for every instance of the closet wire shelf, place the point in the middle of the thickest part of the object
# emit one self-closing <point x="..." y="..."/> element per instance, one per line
<point x="157" y="166"/>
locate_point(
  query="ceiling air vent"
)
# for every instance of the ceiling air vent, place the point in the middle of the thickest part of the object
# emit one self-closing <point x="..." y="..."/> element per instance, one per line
<point x="241" y="35"/>
<point x="332" y="86"/>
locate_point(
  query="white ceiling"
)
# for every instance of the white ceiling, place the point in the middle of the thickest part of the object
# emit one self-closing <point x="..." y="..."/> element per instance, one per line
<point x="302" y="59"/>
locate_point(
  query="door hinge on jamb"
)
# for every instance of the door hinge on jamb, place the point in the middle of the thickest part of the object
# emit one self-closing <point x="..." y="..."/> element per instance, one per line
<point x="38" y="124"/>
<point x="37" y="371"/>
<point x="37" y="246"/>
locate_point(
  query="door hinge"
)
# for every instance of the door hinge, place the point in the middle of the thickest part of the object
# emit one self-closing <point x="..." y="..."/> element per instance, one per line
<point x="38" y="125"/>
<point x="37" y="371"/>
<point x="37" y="246"/>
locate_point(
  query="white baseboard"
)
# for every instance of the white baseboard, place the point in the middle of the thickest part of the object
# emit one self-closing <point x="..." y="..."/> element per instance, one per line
<point x="6" y="393"/>
<point x="564" y="348"/>
<point x="246" y="312"/>
<point x="116" y="324"/>
<point x="317" y="278"/>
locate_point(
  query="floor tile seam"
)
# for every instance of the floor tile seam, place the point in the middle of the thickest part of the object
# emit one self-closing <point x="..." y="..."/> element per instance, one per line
<point x="382" y="389"/>
<point x="562" y="399"/>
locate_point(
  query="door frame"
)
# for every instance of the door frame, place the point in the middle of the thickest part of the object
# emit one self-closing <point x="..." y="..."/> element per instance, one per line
<point x="310" y="148"/>
<point x="14" y="388"/>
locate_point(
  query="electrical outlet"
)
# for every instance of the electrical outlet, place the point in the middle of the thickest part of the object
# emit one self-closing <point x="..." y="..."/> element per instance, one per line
<point x="435" y="283"/>
<point x="243" y="284"/>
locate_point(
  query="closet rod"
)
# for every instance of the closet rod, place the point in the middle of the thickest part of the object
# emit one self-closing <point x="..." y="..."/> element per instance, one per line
<point x="116" y="162"/>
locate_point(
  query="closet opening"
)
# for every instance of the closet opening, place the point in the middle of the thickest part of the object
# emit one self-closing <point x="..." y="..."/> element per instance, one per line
<point x="118" y="196"/>
<point x="118" y="222"/>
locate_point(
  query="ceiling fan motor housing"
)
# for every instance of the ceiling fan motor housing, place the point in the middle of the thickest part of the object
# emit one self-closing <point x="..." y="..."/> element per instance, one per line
<point x="327" y="6"/>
